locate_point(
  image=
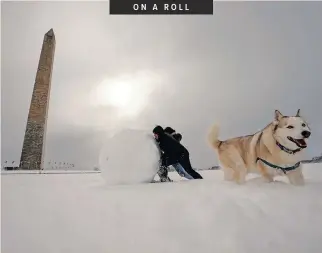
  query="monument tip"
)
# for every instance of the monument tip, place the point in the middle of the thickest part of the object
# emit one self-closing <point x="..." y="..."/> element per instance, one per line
<point x="50" y="33"/>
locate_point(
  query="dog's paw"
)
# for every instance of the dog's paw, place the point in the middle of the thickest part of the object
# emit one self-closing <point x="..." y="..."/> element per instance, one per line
<point x="241" y="182"/>
<point x="298" y="183"/>
<point x="296" y="178"/>
<point x="268" y="179"/>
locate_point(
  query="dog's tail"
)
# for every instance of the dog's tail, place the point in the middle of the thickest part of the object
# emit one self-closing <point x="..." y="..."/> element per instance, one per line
<point x="213" y="137"/>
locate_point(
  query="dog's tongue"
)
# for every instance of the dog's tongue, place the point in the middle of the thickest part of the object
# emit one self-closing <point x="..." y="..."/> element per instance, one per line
<point x="301" y="142"/>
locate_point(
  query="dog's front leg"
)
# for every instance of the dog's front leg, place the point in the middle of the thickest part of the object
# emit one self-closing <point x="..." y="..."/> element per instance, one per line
<point x="265" y="174"/>
<point x="296" y="177"/>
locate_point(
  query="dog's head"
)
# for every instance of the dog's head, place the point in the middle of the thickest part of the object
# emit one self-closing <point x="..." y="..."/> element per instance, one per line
<point x="291" y="131"/>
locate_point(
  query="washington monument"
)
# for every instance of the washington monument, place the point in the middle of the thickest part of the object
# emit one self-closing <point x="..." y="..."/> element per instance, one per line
<point x="32" y="155"/>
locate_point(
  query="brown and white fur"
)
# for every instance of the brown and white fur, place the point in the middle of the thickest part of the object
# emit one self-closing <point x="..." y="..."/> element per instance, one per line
<point x="238" y="155"/>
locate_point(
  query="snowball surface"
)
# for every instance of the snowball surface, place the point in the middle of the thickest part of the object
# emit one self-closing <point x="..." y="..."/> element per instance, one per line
<point x="129" y="157"/>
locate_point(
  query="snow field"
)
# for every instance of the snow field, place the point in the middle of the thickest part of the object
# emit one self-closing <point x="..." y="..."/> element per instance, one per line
<point x="81" y="213"/>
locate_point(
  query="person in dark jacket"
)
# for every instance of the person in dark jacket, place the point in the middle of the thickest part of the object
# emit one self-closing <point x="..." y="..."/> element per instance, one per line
<point x="177" y="166"/>
<point x="173" y="152"/>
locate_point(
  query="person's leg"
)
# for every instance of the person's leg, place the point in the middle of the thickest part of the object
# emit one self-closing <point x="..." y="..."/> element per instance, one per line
<point x="163" y="174"/>
<point x="185" y="163"/>
<point x="181" y="171"/>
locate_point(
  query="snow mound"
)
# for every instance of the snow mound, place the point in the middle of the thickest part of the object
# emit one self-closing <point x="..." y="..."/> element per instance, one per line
<point x="129" y="157"/>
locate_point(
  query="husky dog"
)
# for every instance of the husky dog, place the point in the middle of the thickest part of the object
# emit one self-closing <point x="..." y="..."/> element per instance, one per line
<point x="275" y="150"/>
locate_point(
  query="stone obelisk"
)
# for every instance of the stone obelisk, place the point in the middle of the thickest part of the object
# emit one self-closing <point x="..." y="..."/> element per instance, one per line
<point x="32" y="155"/>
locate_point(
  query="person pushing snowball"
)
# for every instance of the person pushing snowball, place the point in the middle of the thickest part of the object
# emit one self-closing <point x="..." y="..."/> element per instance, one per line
<point x="173" y="153"/>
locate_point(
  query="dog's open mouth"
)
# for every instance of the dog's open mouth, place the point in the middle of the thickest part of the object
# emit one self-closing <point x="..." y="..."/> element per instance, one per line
<point x="299" y="142"/>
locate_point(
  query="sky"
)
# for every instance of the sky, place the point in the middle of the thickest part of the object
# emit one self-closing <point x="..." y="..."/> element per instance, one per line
<point x="233" y="68"/>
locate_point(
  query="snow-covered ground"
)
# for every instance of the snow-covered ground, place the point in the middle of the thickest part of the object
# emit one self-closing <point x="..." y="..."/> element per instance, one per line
<point x="51" y="213"/>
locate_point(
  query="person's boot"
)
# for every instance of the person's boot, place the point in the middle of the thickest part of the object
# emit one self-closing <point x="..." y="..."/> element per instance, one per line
<point x="165" y="179"/>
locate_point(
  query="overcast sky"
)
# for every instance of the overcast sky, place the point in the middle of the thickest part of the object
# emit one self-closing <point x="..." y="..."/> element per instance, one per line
<point x="234" y="68"/>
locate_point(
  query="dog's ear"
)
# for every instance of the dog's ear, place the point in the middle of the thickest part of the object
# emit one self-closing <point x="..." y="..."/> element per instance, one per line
<point x="278" y="115"/>
<point x="298" y="113"/>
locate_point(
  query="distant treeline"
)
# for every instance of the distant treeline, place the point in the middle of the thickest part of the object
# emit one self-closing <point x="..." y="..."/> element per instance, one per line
<point x="316" y="159"/>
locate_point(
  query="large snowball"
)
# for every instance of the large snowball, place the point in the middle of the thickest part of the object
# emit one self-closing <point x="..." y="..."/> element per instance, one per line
<point x="129" y="157"/>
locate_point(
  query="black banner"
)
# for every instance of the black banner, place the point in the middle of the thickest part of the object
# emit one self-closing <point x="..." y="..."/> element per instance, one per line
<point x="161" y="7"/>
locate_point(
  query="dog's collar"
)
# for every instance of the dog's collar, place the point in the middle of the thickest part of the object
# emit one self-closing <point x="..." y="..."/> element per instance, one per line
<point x="287" y="150"/>
<point x="284" y="169"/>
